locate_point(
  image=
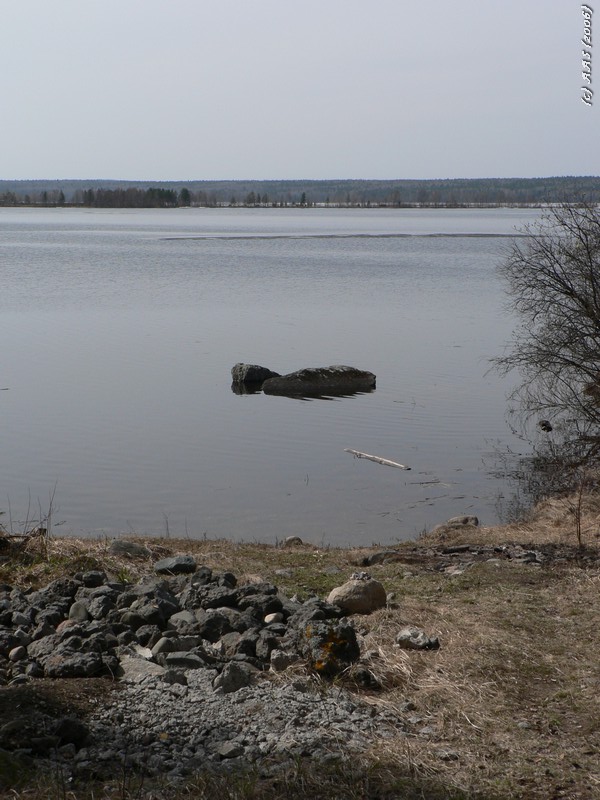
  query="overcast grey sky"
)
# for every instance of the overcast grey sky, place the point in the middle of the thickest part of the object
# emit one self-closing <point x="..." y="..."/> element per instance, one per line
<point x="191" y="89"/>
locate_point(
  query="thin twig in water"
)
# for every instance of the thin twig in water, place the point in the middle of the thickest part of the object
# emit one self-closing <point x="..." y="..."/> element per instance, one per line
<point x="385" y="461"/>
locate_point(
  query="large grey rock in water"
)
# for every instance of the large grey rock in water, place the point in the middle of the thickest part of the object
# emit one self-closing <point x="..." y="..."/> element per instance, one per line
<point x="319" y="381"/>
<point x="251" y="374"/>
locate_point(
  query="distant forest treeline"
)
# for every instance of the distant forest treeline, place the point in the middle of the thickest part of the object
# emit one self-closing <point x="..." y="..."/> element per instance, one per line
<point x="387" y="193"/>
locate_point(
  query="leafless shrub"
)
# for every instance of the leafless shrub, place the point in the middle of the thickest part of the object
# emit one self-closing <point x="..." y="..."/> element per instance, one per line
<point x="553" y="280"/>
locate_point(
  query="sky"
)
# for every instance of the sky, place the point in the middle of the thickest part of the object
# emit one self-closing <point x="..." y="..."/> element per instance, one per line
<point x="290" y="89"/>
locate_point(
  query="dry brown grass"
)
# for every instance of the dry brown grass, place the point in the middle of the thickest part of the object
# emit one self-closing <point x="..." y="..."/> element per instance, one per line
<point x="552" y="522"/>
<point x="512" y="691"/>
<point x="508" y="707"/>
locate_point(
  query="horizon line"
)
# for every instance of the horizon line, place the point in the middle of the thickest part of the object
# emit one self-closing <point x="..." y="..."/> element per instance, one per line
<point x="296" y="180"/>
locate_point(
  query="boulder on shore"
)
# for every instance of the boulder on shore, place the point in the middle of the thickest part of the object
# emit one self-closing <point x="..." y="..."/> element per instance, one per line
<point x="319" y="381"/>
<point x="411" y="638"/>
<point x="360" y="595"/>
<point x="456" y="523"/>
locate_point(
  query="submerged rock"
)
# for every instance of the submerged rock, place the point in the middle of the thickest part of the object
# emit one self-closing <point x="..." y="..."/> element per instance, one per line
<point x="251" y="374"/>
<point x="319" y="381"/>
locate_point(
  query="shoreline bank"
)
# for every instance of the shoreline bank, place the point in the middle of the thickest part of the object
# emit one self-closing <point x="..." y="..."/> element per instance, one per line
<point x="497" y="711"/>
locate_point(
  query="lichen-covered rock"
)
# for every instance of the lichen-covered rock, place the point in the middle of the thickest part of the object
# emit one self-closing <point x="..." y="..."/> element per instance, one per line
<point x="359" y="595"/>
<point x="411" y="638"/>
<point x="329" y="646"/>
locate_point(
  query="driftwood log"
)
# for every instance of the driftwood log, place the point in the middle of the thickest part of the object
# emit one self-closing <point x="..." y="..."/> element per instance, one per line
<point x="385" y="461"/>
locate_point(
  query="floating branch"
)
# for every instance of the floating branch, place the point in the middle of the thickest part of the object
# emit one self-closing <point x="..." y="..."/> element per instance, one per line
<point x="385" y="461"/>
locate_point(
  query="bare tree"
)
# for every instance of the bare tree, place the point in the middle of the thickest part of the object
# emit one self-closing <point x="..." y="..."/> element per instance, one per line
<point x="553" y="278"/>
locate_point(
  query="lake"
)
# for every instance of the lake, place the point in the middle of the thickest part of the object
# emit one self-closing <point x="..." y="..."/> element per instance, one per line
<point x="120" y="328"/>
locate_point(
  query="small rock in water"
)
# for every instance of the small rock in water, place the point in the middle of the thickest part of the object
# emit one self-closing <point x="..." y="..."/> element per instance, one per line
<point x="251" y="373"/>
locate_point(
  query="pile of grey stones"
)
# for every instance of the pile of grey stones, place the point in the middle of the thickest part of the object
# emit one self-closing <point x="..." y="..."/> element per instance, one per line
<point x="195" y="655"/>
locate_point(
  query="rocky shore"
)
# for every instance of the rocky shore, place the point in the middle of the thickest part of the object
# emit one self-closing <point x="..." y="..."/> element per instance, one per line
<point x="200" y="662"/>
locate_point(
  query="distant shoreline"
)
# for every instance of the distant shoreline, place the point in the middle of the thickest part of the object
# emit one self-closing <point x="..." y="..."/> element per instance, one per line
<point x="312" y="206"/>
<point x="344" y="193"/>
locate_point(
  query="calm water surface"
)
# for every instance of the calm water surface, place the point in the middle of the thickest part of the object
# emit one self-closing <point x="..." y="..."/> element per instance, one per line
<point x="119" y="330"/>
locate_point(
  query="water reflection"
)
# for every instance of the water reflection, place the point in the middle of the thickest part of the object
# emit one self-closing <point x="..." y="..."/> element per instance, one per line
<point x="256" y="388"/>
<point x="246" y="388"/>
